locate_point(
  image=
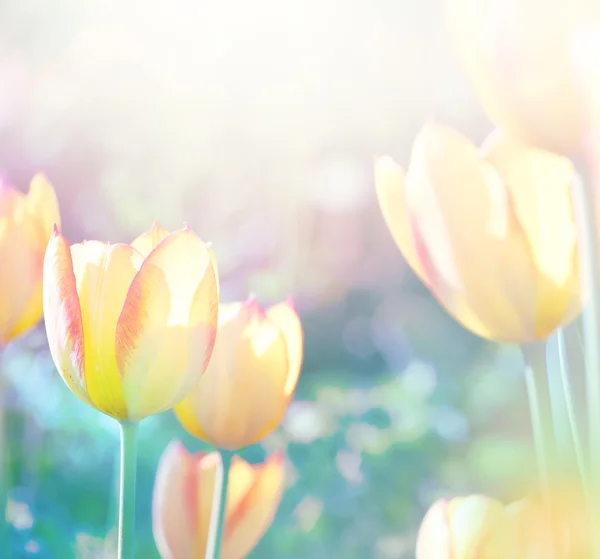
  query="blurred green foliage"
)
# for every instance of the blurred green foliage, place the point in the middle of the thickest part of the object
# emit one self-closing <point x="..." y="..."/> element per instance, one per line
<point x="370" y="445"/>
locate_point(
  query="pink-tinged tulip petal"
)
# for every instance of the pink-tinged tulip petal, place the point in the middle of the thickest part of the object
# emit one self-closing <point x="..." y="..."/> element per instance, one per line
<point x="25" y="227"/>
<point x="103" y="275"/>
<point x="491" y="262"/>
<point x="250" y="513"/>
<point x="242" y="397"/>
<point x="183" y="498"/>
<point x="62" y="314"/>
<point x="149" y="240"/>
<point x="174" y="514"/>
<point x="167" y="328"/>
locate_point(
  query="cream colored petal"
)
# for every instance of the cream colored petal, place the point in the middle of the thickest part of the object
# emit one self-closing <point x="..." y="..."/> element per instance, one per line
<point x="251" y="509"/>
<point x="390" y="186"/>
<point x="240" y="397"/>
<point x="288" y="321"/>
<point x="20" y="280"/>
<point x="42" y="208"/>
<point x="103" y="274"/>
<point x="149" y="240"/>
<point x="206" y="476"/>
<point x="479" y="257"/>
<point x="167" y="329"/>
<point x="539" y="186"/>
<point x="434" y="540"/>
<point x="63" y="317"/>
<point x="174" y="506"/>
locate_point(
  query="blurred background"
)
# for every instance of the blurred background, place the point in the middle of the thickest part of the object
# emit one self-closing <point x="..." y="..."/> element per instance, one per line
<point x="257" y="122"/>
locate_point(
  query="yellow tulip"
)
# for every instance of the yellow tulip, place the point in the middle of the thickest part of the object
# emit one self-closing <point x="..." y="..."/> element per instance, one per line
<point x="26" y="222"/>
<point x="518" y="56"/>
<point x="489" y="231"/>
<point x="474" y="527"/>
<point x="251" y="377"/>
<point x="563" y="533"/>
<point x="131" y="327"/>
<point x="182" y="503"/>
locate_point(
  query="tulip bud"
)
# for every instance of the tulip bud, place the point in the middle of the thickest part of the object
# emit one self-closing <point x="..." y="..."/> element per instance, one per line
<point x="474" y="527"/>
<point x="251" y="377"/>
<point x="183" y="495"/>
<point x="489" y="231"/>
<point x="518" y="56"/>
<point x="131" y="327"/>
<point x="26" y="222"/>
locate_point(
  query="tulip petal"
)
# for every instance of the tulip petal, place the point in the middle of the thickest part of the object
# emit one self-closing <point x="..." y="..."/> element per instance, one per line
<point x="539" y="185"/>
<point x="167" y="328"/>
<point x="149" y="240"/>
<point x="104" y="274"/>
<point x="42" y="207"/>
<point x="462" y="214"/>
<point x="251" y="510"/>
<point x="390" y="186"/>
<point x="434" y="538"/>
<point x="62" y="314"/>
<point x="286" y="318"/>
<point x="174" y="507"/>
<point x="241" y="398"/>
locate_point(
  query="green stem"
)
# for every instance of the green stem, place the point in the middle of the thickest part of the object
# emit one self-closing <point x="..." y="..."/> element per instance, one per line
<point x="217" y="517"/>
<point x="584" y="206"/>
<point x="565" y="385"/>
<point x="538" y="392"/>
<point x="127" y="490"/>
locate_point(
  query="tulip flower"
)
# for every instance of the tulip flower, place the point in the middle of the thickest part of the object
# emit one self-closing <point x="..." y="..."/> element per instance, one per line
<point x="518" y="56"/>
<point x="474" y="527"/>
<point x="26" y="222"/>
<point x="490" y="231"/>
<point x="131" y="327"/>
<point x="182" y="503"/>
<point x="251" y="377"/>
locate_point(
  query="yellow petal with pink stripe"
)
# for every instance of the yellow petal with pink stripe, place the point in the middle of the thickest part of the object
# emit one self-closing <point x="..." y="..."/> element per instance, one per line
<point x="167" y="328"/>
<point x="250" y="379"/>
<point x="103" y="275"/>
<point x="183" y="496"/>
<point x="62" y="314"/>
<point x="131" y="335"/>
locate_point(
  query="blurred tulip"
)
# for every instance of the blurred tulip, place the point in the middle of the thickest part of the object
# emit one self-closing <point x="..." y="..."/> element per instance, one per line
<point x="489" y="231"/>
<point x="131" y="327"/>
<point x="182" y="502"/>
<point x="474" y="527"/>
<point x="564" y="533"/>
<point x="251" y="377"/>
<point x="26" y="222"/>
<point x="518" y="57"/>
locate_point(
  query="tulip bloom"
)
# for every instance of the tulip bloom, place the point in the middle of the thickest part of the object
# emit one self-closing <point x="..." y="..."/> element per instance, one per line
<point x="250" y="379"/>
<point x="474" y="527"/>
<point x="489" y="231"/>
<point x="131" y="327"/>
<point x="518" y="55"/>
<point x="26" y="222"/>
<point x="183" y="496"/>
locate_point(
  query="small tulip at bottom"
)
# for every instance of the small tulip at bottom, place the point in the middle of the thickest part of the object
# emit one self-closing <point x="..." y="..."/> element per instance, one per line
<point x="183" y="497"/>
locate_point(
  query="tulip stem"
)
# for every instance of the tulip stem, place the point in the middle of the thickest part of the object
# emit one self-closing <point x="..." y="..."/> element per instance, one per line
<point x="565" y="385"/>
<point x="217" y="517"/>
<point x="127" y="490"/>
<point x="584" y="207"/>
<point x="538" y="392"/>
